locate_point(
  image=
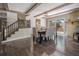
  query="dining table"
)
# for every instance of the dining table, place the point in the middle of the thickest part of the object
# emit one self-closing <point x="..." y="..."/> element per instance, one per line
<point x="41" y="35"/>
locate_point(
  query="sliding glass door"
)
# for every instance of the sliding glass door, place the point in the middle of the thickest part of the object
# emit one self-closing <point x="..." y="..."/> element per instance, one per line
<point x="57" y="27"/>
<point x="60" y="30"/>
<point x="52" y="30"/>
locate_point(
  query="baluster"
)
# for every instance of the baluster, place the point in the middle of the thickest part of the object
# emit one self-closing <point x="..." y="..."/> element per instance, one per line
<point x="25" y="24"/>
<point x="8" y="31"/>
<point x="22" y="24"/>
<point x="16" y="26"/>
<point x="13" y="28"/>
<point x="18" y="23"/>
<point x="4" y="34"/>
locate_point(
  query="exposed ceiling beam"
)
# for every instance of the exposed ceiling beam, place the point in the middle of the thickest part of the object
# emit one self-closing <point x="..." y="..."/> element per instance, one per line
<point x="62" y="13"/>
<point x="65" y="4"/>
<point x="10" y="11"/>
<point x="13" y="11"/>
<point x="32" y="8"/>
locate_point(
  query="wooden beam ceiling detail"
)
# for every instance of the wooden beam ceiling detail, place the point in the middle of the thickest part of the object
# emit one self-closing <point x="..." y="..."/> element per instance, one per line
<point x="33" y="7"/>
<point x="53" y="9"/>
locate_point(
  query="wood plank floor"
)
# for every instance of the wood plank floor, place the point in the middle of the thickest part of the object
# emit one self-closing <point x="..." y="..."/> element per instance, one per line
<point x="22" y="48"/>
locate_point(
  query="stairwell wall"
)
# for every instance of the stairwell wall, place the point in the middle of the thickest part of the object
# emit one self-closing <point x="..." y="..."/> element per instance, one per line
<point x="11" y="18"/>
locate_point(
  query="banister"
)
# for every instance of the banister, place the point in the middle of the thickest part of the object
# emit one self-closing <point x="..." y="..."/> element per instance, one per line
<point x="7" y="31"/>
<point x="10" y="29"/>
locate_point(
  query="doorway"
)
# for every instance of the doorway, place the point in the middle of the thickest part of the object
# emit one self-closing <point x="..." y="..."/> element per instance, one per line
<point x="60" y="29"/>
<point x="59" y="26"/>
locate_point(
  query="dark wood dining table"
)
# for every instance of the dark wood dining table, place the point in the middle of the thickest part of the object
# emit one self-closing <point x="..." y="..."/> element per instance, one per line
<point x="41" y="36"/>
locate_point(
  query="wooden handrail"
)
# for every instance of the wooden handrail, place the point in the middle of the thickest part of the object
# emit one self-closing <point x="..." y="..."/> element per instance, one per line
<point x="12" y="24"/>
<point x="7" y="31"/>
<point x="12" y="28"/>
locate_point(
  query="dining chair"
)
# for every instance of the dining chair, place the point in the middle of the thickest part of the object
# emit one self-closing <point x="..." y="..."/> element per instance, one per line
<point x="50" y="34"/>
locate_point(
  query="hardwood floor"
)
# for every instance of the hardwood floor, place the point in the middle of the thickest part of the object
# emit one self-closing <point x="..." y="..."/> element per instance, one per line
<point x="22" y="48"/>
<point x="72" y="47"/>
<point x="46" y="48"/>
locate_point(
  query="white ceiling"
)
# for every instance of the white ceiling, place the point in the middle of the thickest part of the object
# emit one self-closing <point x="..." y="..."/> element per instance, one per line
<point x="20" y="7"/>
<point x="45" y="7"/>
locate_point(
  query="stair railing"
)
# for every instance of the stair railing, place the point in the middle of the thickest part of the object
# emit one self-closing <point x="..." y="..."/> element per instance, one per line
<point x="7" y="31"/>
<point x="12" y="28"/>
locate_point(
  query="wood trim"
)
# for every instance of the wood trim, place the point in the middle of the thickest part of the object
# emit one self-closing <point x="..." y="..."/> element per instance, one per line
<point x="62" y="13"/>
<point x="33" y="7"/>
<point x="9" y="11"/>
<point x="65" y="4"/>
<point x="13" y="11"/>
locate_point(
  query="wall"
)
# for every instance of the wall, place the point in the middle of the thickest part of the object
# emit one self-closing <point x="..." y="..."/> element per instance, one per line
<point x="53" y="12"/>
<point x="11" y="17"/>
<point x="43" y="22"/>
<point x="21" y="16"/>
<point x="32" y="19"/>
<point x="71" y="27"/>
<point x="58" y="13"/>
<point x="69" y="18"/>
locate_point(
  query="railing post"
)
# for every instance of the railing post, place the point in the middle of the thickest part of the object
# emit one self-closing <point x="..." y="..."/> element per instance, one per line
<point x="18" y="23"/>
<point x="4" y="38"/>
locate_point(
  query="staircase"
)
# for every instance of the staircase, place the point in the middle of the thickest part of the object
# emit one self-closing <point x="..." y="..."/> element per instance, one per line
<point x="17" y="29"/>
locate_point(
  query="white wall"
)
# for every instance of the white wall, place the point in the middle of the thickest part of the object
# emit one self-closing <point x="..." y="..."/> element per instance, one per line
<point x="33" y="20"/>
<point x="11" y="17"/>
<point x="33" y="24"/>
<point x="43" y="22"/>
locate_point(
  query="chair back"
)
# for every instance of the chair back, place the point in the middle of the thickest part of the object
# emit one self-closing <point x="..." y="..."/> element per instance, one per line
<point x="51" y="32"/>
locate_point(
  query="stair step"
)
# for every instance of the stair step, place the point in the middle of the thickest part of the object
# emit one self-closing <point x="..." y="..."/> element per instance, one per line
<point x="21" y="33"/>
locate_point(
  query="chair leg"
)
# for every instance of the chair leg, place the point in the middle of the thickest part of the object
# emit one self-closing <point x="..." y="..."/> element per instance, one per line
<point x="48" y="38"/>
<point x="45" y="39"/>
